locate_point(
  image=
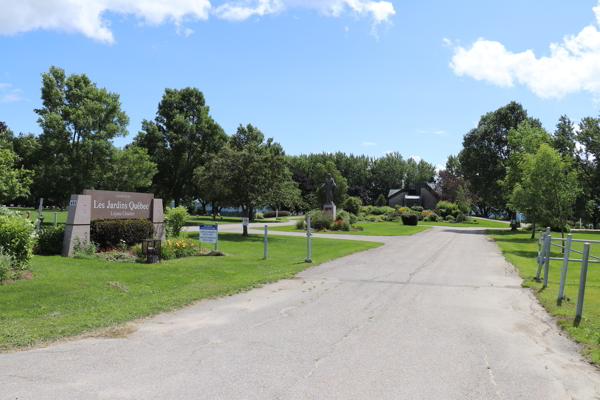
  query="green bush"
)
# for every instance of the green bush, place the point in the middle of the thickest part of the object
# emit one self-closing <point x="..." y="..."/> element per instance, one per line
<point x="447" y="208"/>
<point x="410" y="219"/>
<point x="273" y="214"/>
<point x="6" y="262"/>
<point x="353" y="218"/>
<point x="6" y="211"/>
<point x="50" y="240"/>
<point x="381" y="201"/>
<point x="110" y="232"/>
<point x="433" y="217"/>
<point x="84" y="248"/>
<point x="352" y="204"/>
<point x="417" y="208"/>
<point x="259" y="215"/>
<point x="300" y="224"/>
<point x="449" y="218"/>
<point x="16" y="239"/>
<point x="460" y="217"/>
<point x="381" y="210"/>
<point x="175" y="220"/>
<point x="320" y="221"/>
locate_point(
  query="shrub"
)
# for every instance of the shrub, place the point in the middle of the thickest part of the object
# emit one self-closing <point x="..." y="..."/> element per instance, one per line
<point x="110" y="232"/>
<point x="381" y="210"/>
<point x="336" y="225"/>
<point x="177" y="249"/>
<point x="410" y="219"/>
<point x="300" y="224"/>
<point x="259" y="215"/>
<point x="6" y="262"/>
<point x="16" y="239"/>
<point x="449" y="218"/>
<point x="460" y="217"/>
<point x="353" y="218"/>
<point x="117" y="256"/>
<point x="346" y="225"/>
<point x="433" y="217"/>
<point x="371" y="219"/>
<point x="352" y="204"/>
<point x="273" y="214"/>
<point x="6" y="211"/>
<point x="447" y="208"/>
<point x="381" y="201"/>
<point x="50" y="240"/>
<point x="84" y="248"/>
<point x="417" y="208"/>
<point x="341" y="215"/>
<point x="175" y="220"/>
<point x="320" y="221"/>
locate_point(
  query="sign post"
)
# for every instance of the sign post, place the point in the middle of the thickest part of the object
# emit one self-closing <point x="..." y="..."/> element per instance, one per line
<point x="266" y="242"/>
<point x="308" y="234"/>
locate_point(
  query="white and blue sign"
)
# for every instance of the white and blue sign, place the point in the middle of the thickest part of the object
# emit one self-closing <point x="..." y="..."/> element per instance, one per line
<point x="209" y="233"/>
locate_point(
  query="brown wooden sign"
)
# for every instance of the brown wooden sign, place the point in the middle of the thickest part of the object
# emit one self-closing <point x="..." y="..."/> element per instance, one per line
<point x="107" y="204"/>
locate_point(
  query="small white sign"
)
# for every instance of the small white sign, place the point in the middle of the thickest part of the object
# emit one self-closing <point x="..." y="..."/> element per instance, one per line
<point x="73" y="203"/>
<point x="208" y="233"/>
<point x="245" y="221"/>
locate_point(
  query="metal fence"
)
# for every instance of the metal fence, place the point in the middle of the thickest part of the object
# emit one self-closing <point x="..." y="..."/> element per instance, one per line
<point x="544" y="257"/>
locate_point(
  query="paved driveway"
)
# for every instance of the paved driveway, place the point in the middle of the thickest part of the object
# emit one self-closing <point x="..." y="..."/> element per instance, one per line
<point x="437" y="315"/>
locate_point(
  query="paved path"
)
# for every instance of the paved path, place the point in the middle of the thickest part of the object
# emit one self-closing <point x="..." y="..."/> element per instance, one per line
<point x="437" y="315"/>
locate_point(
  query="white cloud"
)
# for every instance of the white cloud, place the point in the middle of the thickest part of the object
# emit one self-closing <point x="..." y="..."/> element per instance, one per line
<point x="420" y="131"/>
<point x="447" y="42"/>
<point x="368" y="144"/>
<point x="441" y="133"/>
<point x="241" y="10"/>
<point x="573" y="65"/>
<point x="86" y="16"/>
<point x="9" y="95"/>
<point x="416" y="158"/>
<point x="439" y="167"/>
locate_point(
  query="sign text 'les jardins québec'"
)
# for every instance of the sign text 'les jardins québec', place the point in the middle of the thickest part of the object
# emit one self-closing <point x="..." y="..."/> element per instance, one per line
<point x="106" y="204"/>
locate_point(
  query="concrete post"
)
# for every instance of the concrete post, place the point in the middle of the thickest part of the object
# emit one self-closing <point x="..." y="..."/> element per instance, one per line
<point x="564" y="271"/>
<point x="582" y="281"/>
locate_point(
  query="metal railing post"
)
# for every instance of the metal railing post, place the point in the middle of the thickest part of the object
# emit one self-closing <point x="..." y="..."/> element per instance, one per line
<point x="309" y="238"/>
<point x="564" y="271"/>
<point x="582" y="281"/>
<point x="541" y="251"/>
<point x="54" y="219"/>
<point x="266" y="242"/>
<point x="547" y="260"/>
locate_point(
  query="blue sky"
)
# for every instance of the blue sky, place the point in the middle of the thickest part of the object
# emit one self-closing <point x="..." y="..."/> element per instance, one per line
<point x="358" y="76"/>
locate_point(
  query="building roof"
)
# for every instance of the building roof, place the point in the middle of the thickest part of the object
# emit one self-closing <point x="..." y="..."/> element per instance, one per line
<point x="393" y="192"/>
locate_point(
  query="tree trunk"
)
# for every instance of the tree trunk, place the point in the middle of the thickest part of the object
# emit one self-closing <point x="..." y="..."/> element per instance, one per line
<point x="513" y="217"/>
<point x="533" y="231"/>
<point x="245" y="233"/>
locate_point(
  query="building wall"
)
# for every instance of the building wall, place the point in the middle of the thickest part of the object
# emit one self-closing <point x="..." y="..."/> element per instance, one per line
<point x="398" y="199"/>
<point x="428" y="201"/>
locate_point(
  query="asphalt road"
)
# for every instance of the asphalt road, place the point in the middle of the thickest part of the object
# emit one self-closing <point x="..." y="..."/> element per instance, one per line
<point x="437" y="315"/>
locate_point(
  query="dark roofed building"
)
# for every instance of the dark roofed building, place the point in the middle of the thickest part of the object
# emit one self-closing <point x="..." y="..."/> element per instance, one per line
<point x="421" y="194"/>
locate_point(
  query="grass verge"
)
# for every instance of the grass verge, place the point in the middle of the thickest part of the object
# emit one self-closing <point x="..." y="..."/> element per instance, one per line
<point x="195" y="220"/>
<point x="370" y="229"/>
<point x="69" y="297"/>
<point x="521" y="251"/>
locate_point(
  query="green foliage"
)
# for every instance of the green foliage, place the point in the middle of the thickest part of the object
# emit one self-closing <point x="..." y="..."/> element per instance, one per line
<point x="353" y="204"/>
<point x="417" y="208"/>
<point x="319" y="221"/>
<point x="463" y="199"/>
<point x="178" y="141"/>
<point x="14" y="182"/>
<point x="50" y="240"/>
<point x="548" y="190"/>
<point x="259" y="215"/>
<point x="128" y="170"/>
<point x="6" y="211"/>
<point x="433" y="217"/>
<point x="16" y="239"/>
<point x="175" y="220"/>
<point x="110" y="232"/>
<point x="447" y="208"/>
<point x="84" y="249"/>
<point x="115" y="255"/>
<point x="410" y="219"/>
<point x="449" y="218"/>
<point x="381" y="201"/>
<point x="79" y="121"/>
<point x="6" y="264"/>
<point x="300" y="224"/>
<point x="460" y="218"/>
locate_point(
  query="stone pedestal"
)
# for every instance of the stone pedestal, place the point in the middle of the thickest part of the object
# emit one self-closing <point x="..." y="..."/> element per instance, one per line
<point x="78" y="222"/>
<point x="329" y="209"/>
<point x="158" y="219"/>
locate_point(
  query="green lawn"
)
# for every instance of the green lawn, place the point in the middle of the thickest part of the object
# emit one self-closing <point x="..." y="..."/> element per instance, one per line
<point x="370" y="229"/>
<point x="61" y="216"/>
<point x="70" y="297"/>
<point x="521" y="251"/>
<point x="481" y="223"/>
<point x="207" y="219"/>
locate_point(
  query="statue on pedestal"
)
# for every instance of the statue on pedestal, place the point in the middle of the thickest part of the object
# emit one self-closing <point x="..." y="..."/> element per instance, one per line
<point x="329" y="186"/>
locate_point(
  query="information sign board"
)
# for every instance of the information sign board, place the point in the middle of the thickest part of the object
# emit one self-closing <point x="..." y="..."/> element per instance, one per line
<point x="245" y="221"/>
<point x="208" y="233"/>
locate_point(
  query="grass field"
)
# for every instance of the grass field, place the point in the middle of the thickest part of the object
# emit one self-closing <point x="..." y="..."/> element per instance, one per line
<point x="370" y="229"/>
<point x="195" y="220"/>
<point x="61" y="216"/>
<point x="69" y="297"/>
<point x="521" y="251"/>
<point x="482" y="223"/>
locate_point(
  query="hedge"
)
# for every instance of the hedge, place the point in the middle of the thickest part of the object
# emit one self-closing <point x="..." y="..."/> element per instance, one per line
<point x="109" y="232"/>
<point x="410" y="219"/>
<point x="272" y="214"/>
<point x="16" y="239"/>
<point x="50" y="240"/>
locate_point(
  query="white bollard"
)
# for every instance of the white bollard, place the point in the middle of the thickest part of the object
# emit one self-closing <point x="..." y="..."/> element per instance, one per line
<point x="547" y="263"/>
<point x="309" y="236"/>
<point x="266" y="242"/>
<point x="564" y="271"/>
<point x="582" y="281"/>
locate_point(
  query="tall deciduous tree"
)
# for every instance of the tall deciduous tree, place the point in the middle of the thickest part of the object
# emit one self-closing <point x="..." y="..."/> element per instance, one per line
<point x="549" y="188"/>
<point x="178" y="140"/>
<point x="78" y="120"/>
<point x="485" y="153"/>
